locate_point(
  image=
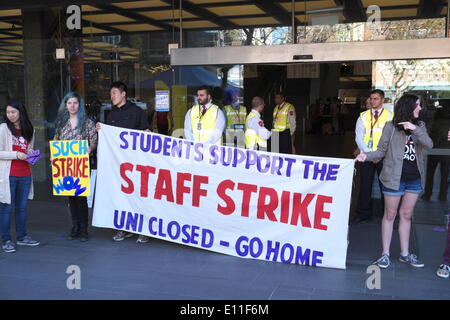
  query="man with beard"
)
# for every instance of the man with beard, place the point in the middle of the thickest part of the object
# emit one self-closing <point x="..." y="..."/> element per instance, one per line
<point x="204" y="122"/>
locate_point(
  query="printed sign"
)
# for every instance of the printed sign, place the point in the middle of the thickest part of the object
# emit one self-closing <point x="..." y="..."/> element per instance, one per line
<point x="162" y="100"/>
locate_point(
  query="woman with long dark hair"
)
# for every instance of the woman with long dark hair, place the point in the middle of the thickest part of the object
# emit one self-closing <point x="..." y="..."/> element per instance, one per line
<point x="72" y="123"/>
<point x="402" y="146"/>
<point x="16" y="185"/>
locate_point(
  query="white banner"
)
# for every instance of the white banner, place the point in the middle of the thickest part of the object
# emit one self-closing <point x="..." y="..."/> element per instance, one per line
<point x="245" y="203"/>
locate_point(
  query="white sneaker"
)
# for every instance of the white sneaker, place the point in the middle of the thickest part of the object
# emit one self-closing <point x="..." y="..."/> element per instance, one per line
<point x="142" y="239"/>
<point x="121" y="235"/>
<point x="443" y="271"/>
<point x="9" y="246"/>
<point x="27" y="241"/>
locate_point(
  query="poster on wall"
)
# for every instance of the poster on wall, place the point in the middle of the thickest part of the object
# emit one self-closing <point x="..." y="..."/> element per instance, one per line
<point x="162" y="100"/>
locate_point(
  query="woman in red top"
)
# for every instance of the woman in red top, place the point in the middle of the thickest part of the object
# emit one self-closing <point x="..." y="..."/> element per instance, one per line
<point x="16" y="141"/>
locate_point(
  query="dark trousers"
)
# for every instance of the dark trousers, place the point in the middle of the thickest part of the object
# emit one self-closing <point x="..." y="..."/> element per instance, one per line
<point x="80" y="215"/>
<point x="163" y="129"/>
<point x="367" y="173"/>
<point x="433" y="161"/>
<point x="286" y="142"/>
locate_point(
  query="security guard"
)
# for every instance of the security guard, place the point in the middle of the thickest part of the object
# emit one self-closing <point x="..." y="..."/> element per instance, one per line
<point x="204" y="122"/>
<point x="235" y="118"/>
<point x="369" y="128"/>
<point x="256" y="135"/>
<point x="284" y="124"/>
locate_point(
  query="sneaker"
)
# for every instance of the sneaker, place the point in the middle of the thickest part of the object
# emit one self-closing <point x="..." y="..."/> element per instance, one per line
<point x="142" y="239"/>
<point x="9" y="246"/>
<point x="27" y="241"/>
<point x="383" y="262"/>
<point x="84" y="238"/>
<point x="121" y="235"/>
<point x="72" y="236"/>
<point x="360" y="220"/>
<point x="412" y="260"/>
<point x="443" y="271"/>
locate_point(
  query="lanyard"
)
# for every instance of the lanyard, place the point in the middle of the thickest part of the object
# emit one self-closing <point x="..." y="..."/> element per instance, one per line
<point x="200" y="117"/>
<point x="372" y="125"/>
<point x="201" y="114"/>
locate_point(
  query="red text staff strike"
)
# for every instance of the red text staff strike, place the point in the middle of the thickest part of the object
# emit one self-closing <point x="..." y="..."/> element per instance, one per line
<point x="273" y="205"/>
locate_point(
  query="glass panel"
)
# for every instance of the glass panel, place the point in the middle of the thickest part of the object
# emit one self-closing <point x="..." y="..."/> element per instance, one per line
<point x="324" y="21"/>
<point x="252" y="36"/>
<point x="429" y="77"/>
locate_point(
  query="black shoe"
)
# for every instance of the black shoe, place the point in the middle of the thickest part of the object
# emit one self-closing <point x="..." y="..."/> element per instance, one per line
<point x="360" y="220"/>
<point x="442" y="198"/>
<point x="426" y="197"/>
<point x="72" y="236"/>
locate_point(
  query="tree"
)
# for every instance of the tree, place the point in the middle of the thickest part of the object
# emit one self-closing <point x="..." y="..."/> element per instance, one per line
<point x="400" y="76"/>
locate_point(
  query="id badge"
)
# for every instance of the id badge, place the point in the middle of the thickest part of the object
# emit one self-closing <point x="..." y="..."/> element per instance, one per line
<point x="370" y="144"/>
<point x="199" y="126"/>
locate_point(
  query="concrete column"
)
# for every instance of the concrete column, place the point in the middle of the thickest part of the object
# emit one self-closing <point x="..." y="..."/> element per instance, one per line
<point x="38" y="72"/>
<point x="35" y="83"/>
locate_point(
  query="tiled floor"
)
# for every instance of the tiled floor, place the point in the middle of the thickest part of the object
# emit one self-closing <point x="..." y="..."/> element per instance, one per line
<point x="162" y="270"/>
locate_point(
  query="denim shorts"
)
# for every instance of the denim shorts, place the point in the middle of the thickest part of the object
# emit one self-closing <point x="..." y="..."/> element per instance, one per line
<point x="414" y="186"/>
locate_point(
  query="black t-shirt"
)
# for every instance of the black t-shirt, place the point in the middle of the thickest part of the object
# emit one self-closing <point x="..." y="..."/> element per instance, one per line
<point x="129" y="116"/>
<point x="410" y="171"/>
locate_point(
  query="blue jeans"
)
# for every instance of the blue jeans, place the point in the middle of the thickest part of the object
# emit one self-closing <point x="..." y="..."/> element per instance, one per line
<point x="20" y="188"/>
<point x="405" y="186"/>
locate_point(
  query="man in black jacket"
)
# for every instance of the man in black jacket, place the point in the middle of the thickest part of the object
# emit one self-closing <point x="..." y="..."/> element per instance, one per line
<point x="125" y="114"/>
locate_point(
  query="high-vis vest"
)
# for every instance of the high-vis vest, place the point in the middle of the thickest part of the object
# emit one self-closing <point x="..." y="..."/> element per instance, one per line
<point x="203" y="126"/>
<point x="235" y="116"/>
<point x="252" y="139"/>
<point x="280" y="117"/>
<point x="373" y="128"/>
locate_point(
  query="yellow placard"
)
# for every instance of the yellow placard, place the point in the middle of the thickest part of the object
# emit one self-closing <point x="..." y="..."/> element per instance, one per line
<point x="70" y="167"/>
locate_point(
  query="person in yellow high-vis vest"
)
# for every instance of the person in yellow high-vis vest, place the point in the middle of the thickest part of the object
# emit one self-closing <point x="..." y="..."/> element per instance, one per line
<point x="284" y="124"/>
<point x="256" y="135"/>
<point x="369" y="128"/>
<point x="204" y="122"/>
<point x="235" y="115"/>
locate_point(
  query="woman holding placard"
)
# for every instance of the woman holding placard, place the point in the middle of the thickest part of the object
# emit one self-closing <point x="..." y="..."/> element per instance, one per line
<point x="16" y="185"/>
<point x="72" y="123"/>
